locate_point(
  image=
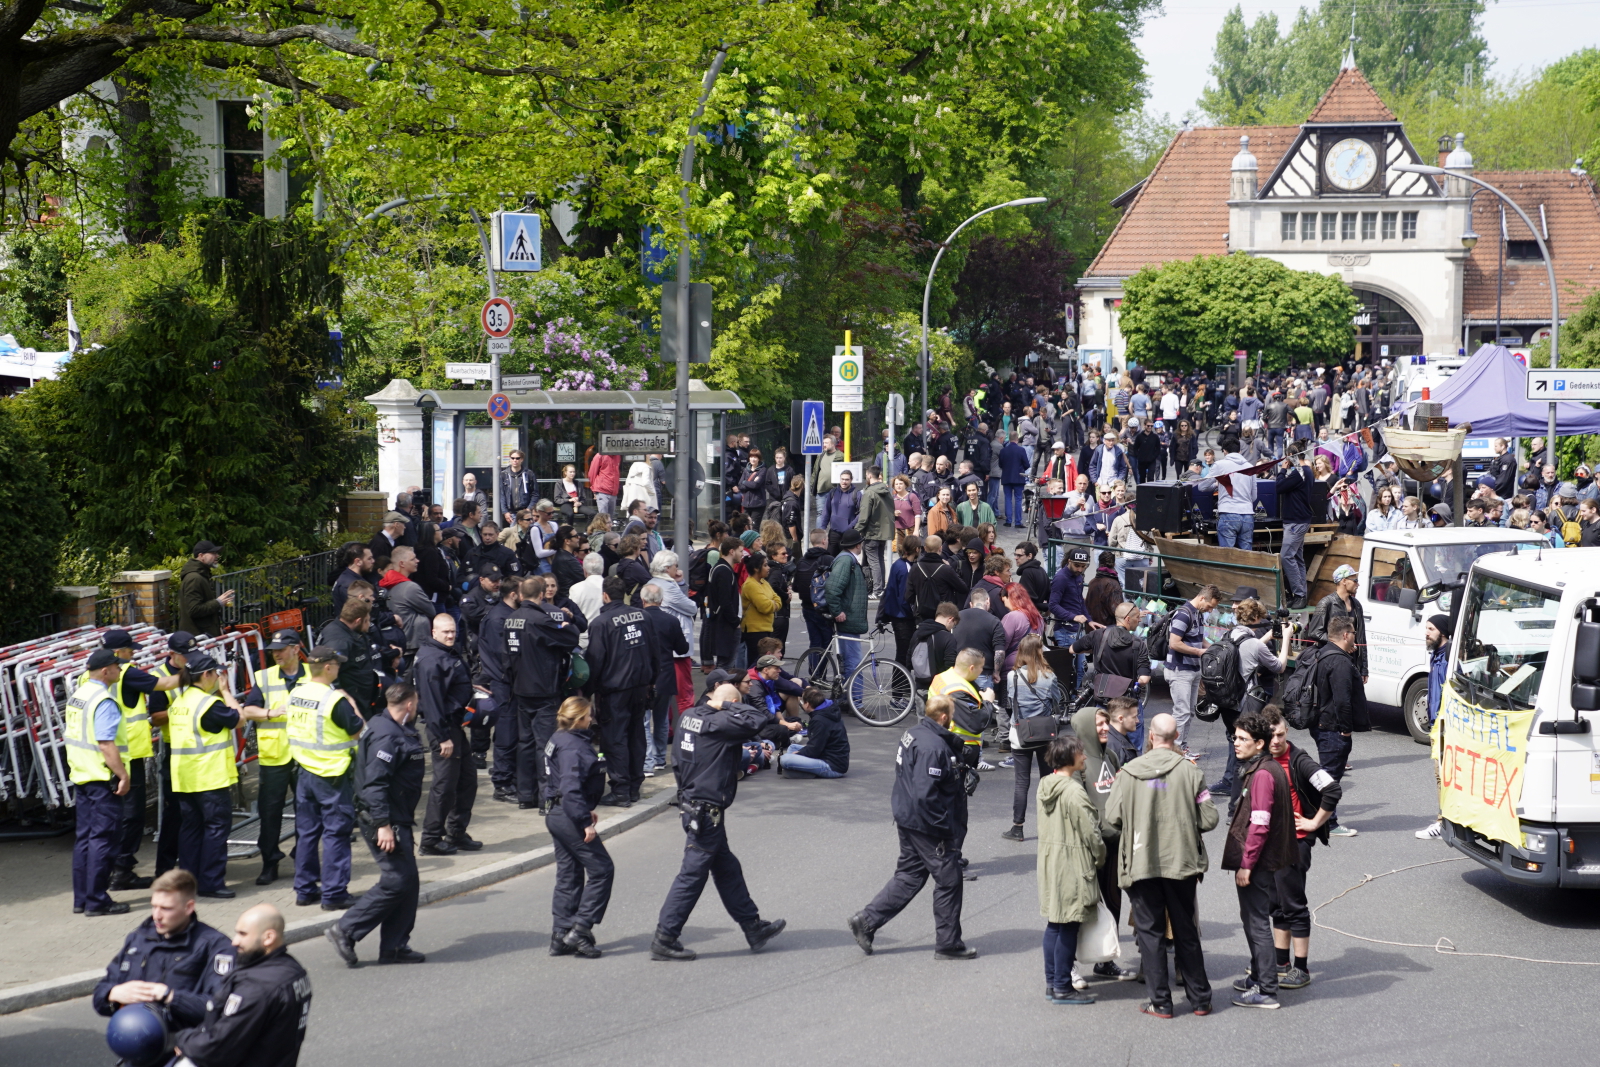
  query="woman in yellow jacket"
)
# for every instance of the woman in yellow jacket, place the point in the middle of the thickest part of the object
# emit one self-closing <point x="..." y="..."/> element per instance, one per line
<point x="759" y="603"/>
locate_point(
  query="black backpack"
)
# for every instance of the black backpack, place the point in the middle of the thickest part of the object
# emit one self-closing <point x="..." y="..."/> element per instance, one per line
<point x="699" y="571"/>
<point x="811" y="579"/>
<point x="1302" y="705"/>
<point x="1158" y="639"/>
<point x="1219" y="671"/>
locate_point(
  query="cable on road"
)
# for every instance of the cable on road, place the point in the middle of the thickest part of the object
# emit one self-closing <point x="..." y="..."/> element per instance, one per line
<point x="1444" y="946"/>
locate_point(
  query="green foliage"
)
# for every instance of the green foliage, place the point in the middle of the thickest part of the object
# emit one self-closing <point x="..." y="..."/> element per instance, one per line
<point x="1194" y="314"/>
<point x="33" y="285"/>
<point x="1403" y="47"/>
<point x="35" y="521"/>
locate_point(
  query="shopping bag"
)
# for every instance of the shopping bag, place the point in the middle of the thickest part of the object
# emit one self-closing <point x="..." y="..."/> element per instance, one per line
<point x="1097" y="937"/>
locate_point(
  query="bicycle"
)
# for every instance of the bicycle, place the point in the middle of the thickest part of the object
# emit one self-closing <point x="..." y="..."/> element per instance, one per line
<point x="887" y="693"/>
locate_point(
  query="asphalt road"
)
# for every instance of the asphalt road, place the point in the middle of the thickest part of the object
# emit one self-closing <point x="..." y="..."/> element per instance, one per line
<point x="815" y="851"/>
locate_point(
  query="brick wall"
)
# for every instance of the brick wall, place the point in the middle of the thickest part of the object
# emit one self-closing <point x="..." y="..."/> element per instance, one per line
<point x="361" y="513"/>
<point x="152" y="592"/>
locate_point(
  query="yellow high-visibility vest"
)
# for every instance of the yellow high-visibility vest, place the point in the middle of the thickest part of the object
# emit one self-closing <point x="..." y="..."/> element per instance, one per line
<point x="85" y="761"/>
<point x="135" y="719"/>
<point x="317" y="743"/>
<point x="201" y="761"/>
<point x="950" y="682"/>
<point x="272" y="736"/>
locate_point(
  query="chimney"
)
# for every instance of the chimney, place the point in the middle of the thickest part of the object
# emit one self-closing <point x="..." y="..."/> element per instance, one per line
<point x="1243" y="183"/>
<point x="1446" y="143"/>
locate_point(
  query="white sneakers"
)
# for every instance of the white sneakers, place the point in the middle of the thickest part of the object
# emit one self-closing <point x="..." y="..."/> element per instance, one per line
<point x="1434" y="831"/>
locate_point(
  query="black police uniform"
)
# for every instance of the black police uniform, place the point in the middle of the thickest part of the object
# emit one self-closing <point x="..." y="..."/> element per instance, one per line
<point x="390" y="772"/>
<point x="574" y="781"/>
<point x="474" y="606"/>
<point x="710" y="751"/>
<point x="257" y="1019"/>
<point x="358" y="675"/>
<point x="192" y="963"/>
<point x="538" y="647"/>
<point x="927" y="784"/>
<point x="494" y="660"/>
<point x="444" y="689"/>
<point x="624" y="660"/>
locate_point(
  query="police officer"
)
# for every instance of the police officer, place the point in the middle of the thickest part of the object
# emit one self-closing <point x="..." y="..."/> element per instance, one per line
<point x="970" y="715"/>
<point x="711" y="739"/>
<point x="95" y="735"/>
<point x="444" y="691"/>
<point x="130" y="693"/>
<point x="179" y="645"/>
<point x="538" y="646"/>
<point x="351" y="635"/>
<point x="274" y="767"/>
<point x="485" y="594"/>
<point x="391" y="784"/>
<point x="926" y="785"/>
<point x="258" y="1018"/>
<point x="495" y="655"/>
<point x="574" y="779"/>
<point x="323" y="726"/>
<point x="624" y="659"/>
<point x="172" y="959"/>
<point x="200" y="723"/>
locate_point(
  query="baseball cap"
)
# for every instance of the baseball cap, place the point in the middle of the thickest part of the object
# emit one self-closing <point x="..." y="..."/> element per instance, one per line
<point x="720" y="677"/>
<point x="768" y="661"/>
<point x="181" y="642"/>
<point x="489" y="570"/>
<point x="102" y="658"/>
<point x="202" y="547"/>
<point x="117" y="639"/>
<point x="1078" y="555"/>
<point x="1344" y="571"/>
<point x="325" y="654"/>
<point x="283" y="639"/>
<point x="201" y="662"/>
<point x="1060" y="445"/>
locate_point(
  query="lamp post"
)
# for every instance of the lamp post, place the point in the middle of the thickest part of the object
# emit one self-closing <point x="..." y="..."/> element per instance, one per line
<point x="927" y="290"/>
<point x="1544" y="250"/>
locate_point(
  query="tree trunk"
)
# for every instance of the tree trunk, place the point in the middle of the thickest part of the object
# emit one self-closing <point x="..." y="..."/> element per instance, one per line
<point x="143" y="158"/>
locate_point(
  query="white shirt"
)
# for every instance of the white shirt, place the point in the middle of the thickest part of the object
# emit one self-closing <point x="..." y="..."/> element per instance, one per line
<point x="1169" y="406"/>
<point x="586" y="595"/>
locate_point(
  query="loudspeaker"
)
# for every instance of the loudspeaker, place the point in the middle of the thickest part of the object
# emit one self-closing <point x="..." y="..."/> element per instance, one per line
<point x="1267" y="494"/>
<point x="1319" y="501"/>
<point x="1162" y="506"/>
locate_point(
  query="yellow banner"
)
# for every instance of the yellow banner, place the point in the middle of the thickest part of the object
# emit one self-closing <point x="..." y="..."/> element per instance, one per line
<point x="1480" y="753"/>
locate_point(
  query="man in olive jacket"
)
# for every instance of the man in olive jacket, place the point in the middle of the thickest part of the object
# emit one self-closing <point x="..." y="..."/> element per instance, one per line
<point x="1159" y="806"/>
<point x="199" y="604"/>
<point x="876" y="526"/>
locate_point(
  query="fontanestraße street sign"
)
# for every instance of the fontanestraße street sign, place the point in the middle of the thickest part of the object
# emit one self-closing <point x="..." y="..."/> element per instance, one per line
<point x="624" y="444"/>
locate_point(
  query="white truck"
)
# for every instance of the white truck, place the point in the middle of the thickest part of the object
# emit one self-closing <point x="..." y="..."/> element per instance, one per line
<point x="1527" y="647"/>
<point x="1407" y="575"/>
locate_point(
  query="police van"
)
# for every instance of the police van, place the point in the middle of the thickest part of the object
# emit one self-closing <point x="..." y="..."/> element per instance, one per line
<point x="1515" y="741"/>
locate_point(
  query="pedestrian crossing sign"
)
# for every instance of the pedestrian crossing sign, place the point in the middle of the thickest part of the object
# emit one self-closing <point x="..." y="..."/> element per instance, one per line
<point x="811" y="428"/>
<point x="516" y="241"/>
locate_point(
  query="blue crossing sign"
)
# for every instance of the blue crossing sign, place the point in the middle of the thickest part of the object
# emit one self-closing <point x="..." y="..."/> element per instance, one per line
<point x="811" y="416"/>
<point x="515" y="242"/>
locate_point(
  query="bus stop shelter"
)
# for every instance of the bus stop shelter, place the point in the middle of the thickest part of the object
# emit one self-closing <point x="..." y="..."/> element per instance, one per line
<point x="431" y="438"/>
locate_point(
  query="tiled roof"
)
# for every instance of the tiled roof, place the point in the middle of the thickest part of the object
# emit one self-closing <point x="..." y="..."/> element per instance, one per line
<point x="1182" y="210"/>
<point x="1572" y="215"/>
<point x="1351" y="98"/>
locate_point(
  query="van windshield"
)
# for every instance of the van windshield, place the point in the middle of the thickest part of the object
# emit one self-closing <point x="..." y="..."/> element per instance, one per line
<point x="1449" y="564"/>
<point x="1504" y="636"/>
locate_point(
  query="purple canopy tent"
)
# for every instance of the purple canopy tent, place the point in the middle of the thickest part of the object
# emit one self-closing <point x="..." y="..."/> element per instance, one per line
<point x="1490" y="392"/>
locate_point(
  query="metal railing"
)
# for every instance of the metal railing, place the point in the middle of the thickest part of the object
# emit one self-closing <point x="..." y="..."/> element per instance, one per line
<point x="115" y="610"/>
<point x="302" y="584"/>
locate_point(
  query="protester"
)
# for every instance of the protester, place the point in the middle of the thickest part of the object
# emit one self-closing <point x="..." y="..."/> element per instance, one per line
<point x="1070" y="852"/>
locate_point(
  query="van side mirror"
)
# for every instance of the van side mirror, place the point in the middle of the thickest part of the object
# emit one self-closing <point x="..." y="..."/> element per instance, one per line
<point x="1430" y="593"/>
<point x="1409" y="599"/>
<point x="1586" y="663"/>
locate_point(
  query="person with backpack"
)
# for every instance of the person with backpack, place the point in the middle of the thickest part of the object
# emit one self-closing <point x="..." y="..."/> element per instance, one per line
<point x="1185" y="645"/>
<point x="933" y="645"/>
<point x="1342" y="704"/>
<point x="933" y="580"/>
<point x="811" y="582"/>
<point x="1032" y="693"/>
<point x="894" y="607"/>
<point x="1253" y="669"/>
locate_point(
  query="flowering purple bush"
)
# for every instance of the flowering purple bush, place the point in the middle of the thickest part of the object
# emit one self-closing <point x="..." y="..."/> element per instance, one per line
<point x="569" y="362"/>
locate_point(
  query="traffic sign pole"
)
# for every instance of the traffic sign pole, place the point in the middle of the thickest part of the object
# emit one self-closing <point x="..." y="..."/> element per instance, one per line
<point x="847" y="349"/>
<point x="494" y="372"/>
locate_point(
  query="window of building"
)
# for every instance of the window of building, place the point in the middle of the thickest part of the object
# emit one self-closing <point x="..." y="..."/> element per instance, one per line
<point x="1308" y="226"/>
<point x="1369" y="225"/>
<point x="1330" y="223"/>
<point x="1408" y="225"/>
<point x="1526" y="251"/>
<point x="1347" y="226"/>
<point x="243" y="156"/>
<point x="1288" y="226"/>
<point x="1382" y="323"/>
<point x="1389" y="219"/>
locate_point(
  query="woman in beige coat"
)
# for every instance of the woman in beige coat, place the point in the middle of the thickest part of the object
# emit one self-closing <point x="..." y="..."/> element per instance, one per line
<point x="1070" y="854"/>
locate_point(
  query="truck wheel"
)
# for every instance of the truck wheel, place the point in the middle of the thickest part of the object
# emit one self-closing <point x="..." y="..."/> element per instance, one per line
<point x="1414" y="707"/>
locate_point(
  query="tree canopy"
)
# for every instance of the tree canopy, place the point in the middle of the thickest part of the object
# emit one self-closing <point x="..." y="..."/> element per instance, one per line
<point x="1194" y="314"/>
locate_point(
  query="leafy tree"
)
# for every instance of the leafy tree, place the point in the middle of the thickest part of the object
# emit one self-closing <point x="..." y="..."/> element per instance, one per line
<point x="28" y="565"/>
<point x="1196" y="313"/>
<point x="202" y="415"/>
<point x="1402" y="47"/>
<point x="1010" y="296"/>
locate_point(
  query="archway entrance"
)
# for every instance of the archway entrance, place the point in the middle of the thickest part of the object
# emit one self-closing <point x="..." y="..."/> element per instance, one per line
<point x="1382" y="323"/>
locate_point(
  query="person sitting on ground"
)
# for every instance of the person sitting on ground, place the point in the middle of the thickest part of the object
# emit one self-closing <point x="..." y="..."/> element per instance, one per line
<point x="825" y="753"/>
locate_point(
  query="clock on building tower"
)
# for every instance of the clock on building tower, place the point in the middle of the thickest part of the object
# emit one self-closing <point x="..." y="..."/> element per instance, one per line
<point x="1350" y="164"/>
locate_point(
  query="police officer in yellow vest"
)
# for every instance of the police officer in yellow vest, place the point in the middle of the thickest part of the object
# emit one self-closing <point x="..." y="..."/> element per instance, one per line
<point x="275" y="768"/>
<point x="94" y="735"/>
<point x="179" y="645"/>
<point x="200" y="725"/>
<point x="971" y="717"/>
<point x="132" y="692"/>
<point x="323" y="725"/>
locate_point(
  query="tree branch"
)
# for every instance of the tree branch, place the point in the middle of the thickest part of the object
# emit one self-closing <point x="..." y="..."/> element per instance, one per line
<point x="123" y="36"/>
<point x="276" y="77"/>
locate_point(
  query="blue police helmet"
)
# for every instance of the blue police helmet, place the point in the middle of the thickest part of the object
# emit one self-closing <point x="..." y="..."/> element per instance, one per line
<point x="138" y="1034"/>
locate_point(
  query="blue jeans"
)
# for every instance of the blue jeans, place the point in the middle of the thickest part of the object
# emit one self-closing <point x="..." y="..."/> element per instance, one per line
<point x="1292" y="555"/>
<point x="1235" y="531"/>
<point x="793" y="761"/>
<point x="655" y="729"/>
<point x="1060" y="947"/>
<point x="1013" y="504"/>
<point x="1275" y="440"/>
<point x="991" y="492"/>
<point x="850" y="657"/>
<point x="819" y="630"/>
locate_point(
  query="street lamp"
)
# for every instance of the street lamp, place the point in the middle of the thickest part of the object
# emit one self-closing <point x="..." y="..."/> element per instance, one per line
<point x="928" y="289"/>
<point x="1469" y="240"/>
<point x="1544" y="250"/>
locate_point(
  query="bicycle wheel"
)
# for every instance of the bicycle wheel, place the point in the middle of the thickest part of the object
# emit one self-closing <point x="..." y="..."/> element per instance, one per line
<point x="881" y="692"/>
<point x="805" y="663"/>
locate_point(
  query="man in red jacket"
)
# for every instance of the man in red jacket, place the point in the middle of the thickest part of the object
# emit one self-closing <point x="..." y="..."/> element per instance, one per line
<point x="605" y="482"/>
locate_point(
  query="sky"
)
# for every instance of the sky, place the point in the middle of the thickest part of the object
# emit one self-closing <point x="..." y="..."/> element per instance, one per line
<point x="1522" y="34"/>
